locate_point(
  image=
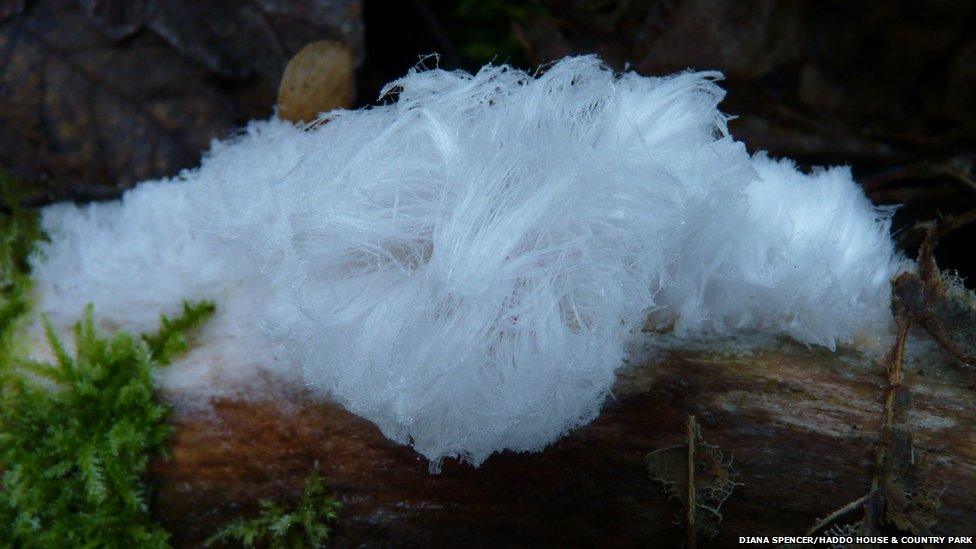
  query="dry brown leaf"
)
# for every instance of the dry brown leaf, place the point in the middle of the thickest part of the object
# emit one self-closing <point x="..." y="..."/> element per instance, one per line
<point x="713" y="480"/>
<point x="100" y="94"/>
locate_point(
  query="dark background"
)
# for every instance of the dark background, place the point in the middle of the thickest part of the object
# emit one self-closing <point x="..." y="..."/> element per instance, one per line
<point x="96" y="95"/>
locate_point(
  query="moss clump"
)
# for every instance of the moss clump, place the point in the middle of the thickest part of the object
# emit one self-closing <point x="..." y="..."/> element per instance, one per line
<point x="77" y="435"/>
<point x="307" y="525"/>
<point x="76" y="444"/>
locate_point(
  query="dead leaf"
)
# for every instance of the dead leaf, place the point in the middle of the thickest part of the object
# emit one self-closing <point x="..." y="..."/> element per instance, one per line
<point x="100" y="94"/>
<point x="714" y="480"/>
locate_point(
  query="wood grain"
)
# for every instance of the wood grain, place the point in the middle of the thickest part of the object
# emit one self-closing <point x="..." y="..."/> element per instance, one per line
<point x="801" y="425"/>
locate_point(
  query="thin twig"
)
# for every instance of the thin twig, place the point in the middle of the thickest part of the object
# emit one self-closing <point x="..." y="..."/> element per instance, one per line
<point x="691" y="499"/>
<point x="952" y="222"/>
<point x="831" y="518"/>
<point x="957" y="169"/>
<point x="893" y="368"/>
<point x="869" y="502"/>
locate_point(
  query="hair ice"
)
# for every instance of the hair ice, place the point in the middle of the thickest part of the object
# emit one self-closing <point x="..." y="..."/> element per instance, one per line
<point x="464" y="266"/>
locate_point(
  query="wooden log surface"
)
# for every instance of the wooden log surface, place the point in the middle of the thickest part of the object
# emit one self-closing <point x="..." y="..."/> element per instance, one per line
<point x="800" y="424"/>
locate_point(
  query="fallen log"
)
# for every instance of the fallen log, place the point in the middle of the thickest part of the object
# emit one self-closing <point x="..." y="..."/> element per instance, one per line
<point x="801" y="425"/>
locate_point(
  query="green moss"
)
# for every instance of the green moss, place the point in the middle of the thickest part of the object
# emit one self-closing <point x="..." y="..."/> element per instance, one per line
<point x="307" y="525"/>
<point x="19" y="230"/>
<point x="172" y="338"/>
<point x="77" y="435"/>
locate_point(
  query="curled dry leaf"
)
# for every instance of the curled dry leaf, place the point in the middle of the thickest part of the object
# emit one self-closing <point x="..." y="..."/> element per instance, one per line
<point x="939" y="301"/>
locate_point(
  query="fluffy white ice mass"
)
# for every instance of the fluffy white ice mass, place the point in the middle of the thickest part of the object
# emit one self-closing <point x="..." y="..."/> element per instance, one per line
<point x="465" y="266"/>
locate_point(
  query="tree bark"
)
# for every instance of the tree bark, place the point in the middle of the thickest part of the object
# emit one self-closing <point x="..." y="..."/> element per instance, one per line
<point x="802" y="426"/>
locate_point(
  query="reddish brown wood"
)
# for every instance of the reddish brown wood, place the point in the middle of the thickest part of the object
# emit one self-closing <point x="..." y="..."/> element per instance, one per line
<point x="801" y="425"/>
